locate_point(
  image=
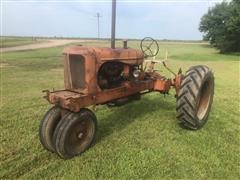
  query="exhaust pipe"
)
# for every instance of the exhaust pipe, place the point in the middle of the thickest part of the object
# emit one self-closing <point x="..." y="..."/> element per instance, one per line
<point x="113" y="24"/>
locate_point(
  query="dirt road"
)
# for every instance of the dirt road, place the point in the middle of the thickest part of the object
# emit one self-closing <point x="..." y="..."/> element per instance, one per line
<point x="47" y="44"/>
<point x="59" y="42"/>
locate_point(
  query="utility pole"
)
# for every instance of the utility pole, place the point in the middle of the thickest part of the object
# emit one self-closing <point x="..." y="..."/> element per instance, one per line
<point x="113" y="23"/>
<point x="98" y="16"/>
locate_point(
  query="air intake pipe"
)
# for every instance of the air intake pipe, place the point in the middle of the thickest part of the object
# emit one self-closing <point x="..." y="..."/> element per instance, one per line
<point x="113" y="24"/>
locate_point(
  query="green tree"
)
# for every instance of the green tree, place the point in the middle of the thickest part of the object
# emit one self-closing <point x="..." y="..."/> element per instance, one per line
<point x="221" y="26"/>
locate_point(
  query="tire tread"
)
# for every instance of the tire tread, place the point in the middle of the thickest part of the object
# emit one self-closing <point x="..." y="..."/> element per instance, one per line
<point x="188" y="93"/>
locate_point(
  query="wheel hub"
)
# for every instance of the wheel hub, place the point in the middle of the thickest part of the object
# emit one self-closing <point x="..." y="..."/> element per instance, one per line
<point x="80" y="135"/>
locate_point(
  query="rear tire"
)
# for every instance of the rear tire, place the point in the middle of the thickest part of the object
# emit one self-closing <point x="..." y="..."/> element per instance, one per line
<point x="75" y="133"/>
<point x="195" y="97"/>
<point x="47" y="127"/>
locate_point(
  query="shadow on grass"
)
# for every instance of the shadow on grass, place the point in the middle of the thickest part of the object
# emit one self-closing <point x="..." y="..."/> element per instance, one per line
<point x="116" y="119"/>
<point x="206" y="46"/>
<point x="120" y="117"/>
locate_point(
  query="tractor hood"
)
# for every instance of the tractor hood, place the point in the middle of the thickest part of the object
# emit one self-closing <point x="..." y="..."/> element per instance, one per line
<point x="103" y="54"/>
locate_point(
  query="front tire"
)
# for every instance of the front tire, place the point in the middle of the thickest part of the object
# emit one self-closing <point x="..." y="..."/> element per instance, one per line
<point x="47" y="127"/>
<point x="195" y="97"/>
<point x="75" y="133"/>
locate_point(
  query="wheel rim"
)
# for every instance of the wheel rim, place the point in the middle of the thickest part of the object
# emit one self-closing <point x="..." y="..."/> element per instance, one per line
<point x="80" y="136"/>
<point x="205" y="96"/>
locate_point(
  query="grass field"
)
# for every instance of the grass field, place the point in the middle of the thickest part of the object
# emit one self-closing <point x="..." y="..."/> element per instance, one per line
<point x="17" y="41"/>
<point x="137" y="141"/>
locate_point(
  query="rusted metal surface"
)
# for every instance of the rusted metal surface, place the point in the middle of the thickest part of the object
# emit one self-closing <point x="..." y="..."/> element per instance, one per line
<point x="162" y="85"/>
<point x="82" y="67"/>
<point x="75" y="101"/>
<point x="80" y="77"/>
<point x="126" y="71"/>
<point x="176" y="82"/>
<point x="102" y="54"/>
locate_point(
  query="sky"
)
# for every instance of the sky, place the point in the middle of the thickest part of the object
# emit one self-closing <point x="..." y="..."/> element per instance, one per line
<point x="160" y="19"/>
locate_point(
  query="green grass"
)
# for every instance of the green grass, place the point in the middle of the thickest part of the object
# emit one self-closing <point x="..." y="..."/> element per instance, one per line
<point x="17" y="41"/>
<point x="137" y="141"/>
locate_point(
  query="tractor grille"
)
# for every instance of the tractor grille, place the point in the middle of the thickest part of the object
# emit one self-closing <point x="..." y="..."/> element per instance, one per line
<point x="77" y="72"/>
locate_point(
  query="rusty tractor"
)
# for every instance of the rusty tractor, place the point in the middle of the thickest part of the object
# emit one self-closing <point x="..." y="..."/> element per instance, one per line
<point x="114" y="76"/>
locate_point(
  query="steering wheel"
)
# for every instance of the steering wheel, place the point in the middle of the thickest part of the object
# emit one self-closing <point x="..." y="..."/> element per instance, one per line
<point x="149" y="47"/>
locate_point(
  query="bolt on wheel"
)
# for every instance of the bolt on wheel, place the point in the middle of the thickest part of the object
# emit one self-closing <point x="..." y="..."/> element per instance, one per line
<point x="75" y="133"/>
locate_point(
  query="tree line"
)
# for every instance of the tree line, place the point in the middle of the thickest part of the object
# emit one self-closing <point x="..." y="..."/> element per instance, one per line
<point x="221" y="26"/>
